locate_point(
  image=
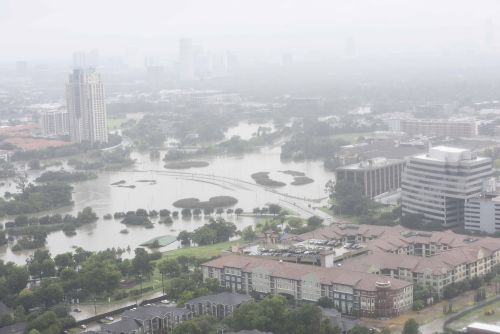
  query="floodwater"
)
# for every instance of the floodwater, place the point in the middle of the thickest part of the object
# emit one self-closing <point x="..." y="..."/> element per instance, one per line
<point x="246" y="130"/>
<point x="168" y="187"/>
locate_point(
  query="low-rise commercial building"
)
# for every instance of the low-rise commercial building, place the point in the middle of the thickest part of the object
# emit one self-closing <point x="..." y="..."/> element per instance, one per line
<point x="439" y="127"/>
<point x="355" y="293"/>
<point x="376" y="176"/>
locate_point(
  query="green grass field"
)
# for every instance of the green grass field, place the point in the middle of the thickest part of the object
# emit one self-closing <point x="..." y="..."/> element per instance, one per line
<point x="202" y="252"/>
<point x="115" y="123"/>
<point x="479" y="315"/>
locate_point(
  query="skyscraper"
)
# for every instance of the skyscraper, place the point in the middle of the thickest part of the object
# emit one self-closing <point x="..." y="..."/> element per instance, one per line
<point x="86" y="107"/>
<point x="186" y="59"/>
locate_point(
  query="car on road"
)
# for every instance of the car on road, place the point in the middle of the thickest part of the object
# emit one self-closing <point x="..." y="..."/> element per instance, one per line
<point x="77" y="310"/>
<point x="109" y="318"/>
<point x="165" y="301"/>
<point x="82" y="326"/>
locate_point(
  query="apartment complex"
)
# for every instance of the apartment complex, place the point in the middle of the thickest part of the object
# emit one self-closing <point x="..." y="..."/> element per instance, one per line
<point x="86" y="107"/>
<point x="482" y="213"/>
<point x="439" y="127"/>
<point x="434" y="259"/>
<point x="162" y="319"/>
<point x="375" y="176"/>
<point x="219" y="306"/>
<point x="54" y="123"/>
<point x="355" y="293"/>
<point x="438" y="183"/>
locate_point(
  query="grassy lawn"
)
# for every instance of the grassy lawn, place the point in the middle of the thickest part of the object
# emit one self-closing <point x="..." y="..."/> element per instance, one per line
<point x="478" y="315"/>
<point x="115" y="123"/>
<point x="202" y="252"/>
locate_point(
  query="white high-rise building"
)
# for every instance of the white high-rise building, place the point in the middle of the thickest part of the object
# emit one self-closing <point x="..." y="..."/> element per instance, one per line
<point x="437" y="184"/>
<point x="54" y="123"/>
<point x="86" y="107"/>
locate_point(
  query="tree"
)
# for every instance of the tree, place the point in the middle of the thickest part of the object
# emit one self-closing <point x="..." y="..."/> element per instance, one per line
<point x="50" y="293"/>
<point x="238" y="211"/>
<point x="208" y="211"/>
<point x="64" y="260"/>
<point x="270" y="314"/>
<point x="325" y="302"/>
<point x="314" y="222"/>
<point x="86" y="216"/>
<point x="248" y="234"/>
<point x="141" y="264"/>
<point x="16" y="278"/>
<point x="169" y="267"/>
<point x="46" y="322"/>
<point x="358" y="329"/>
<point x="41" y="264"/>
<point x="305" y="319"/>
<point x="385" y="330"/>
<point x="19" y="313"/>
<point x="164" y="213"/>
<point x="219" y="211"/>
<point x="99" y="275"/>
<point x="274" y="209"/>
<point x="204" y="236"/>
<point x="185" y="237"/>
<point x="411" y="327"/>
<point x="141" y="212"/>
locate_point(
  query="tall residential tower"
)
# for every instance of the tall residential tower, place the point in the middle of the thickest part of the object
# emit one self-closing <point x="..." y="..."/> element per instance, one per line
<point x="86" y="107"/>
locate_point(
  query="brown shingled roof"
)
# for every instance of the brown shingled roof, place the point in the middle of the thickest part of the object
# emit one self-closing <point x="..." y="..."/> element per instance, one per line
<point x="358" y="280"/>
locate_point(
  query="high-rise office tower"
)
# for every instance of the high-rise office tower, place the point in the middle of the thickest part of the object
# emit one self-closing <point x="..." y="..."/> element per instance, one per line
<point x="437" y="184"/>
<point x="86" y="107"/>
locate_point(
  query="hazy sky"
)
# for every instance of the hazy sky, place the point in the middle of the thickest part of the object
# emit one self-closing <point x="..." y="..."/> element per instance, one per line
<point x="43" y="29"/>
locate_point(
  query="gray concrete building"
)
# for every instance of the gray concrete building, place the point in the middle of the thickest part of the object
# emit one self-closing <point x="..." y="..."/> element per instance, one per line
<point x="376" y="176"/>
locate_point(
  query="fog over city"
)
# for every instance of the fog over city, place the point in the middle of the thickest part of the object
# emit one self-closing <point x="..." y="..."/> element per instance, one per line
<point x="265" y="166"/>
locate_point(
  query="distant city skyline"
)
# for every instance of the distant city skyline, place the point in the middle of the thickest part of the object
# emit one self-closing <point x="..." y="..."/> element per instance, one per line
<point x="51" y="29"/>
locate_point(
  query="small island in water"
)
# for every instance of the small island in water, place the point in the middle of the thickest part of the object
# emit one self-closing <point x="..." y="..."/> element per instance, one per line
<point x="212" y="203"/>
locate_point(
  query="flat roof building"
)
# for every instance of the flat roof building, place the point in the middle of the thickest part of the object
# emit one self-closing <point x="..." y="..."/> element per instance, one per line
<point x="482" y="213"/>
<point x="437" y="184"/>
<point x="439" y="127"/>
<point x="376" y="176"/>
